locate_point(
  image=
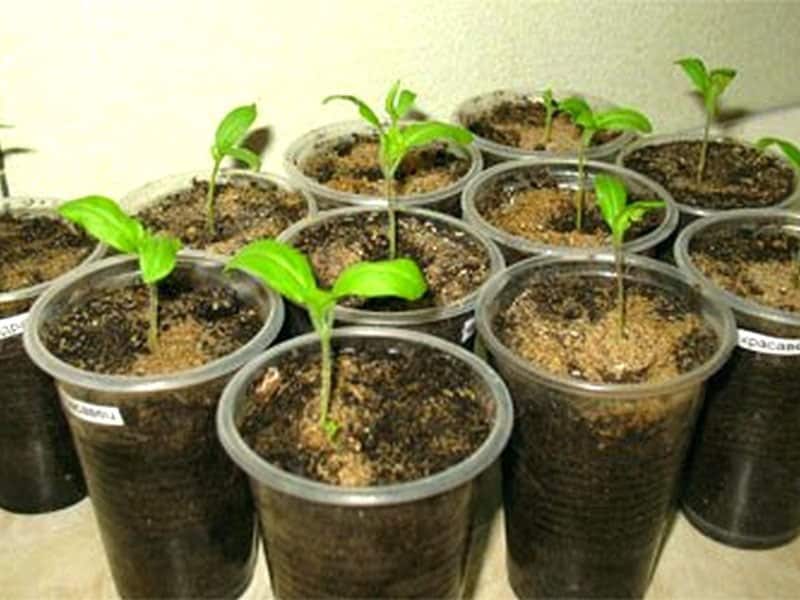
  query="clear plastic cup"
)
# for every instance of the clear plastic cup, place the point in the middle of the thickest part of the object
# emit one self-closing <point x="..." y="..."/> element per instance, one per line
<point x="39" y="470"/>
<point x="565" y="172"/>
<point x="742" y="483"/>
<point x="454" y="322"/>
<point x="400" y="540"/>
<point x="592" y="471"/>
<point x="174" y="513"/>
<point x="494" y="152"/>
<point x="444" y="200"/>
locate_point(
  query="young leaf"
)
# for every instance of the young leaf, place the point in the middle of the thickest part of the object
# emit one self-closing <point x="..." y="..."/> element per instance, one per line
<point x="400" y="277"/>
<point x="404" y="103"/>
<point x="696" y="71"/>
<point x="623" y="119"/>
<point x="574" y="106"/>
<point x="791" y="151"/>
<point x="250" y="158"/>
<point x="232" y="129"/>
<point x="419" y="134"/>
<point x="104" y="220"/>
<point x="363" y="109"/>
<point x="157" y="257"/>
<point x="611" y="196"/>
<point x="390" y="102"/>
<point x="634" y="212"/>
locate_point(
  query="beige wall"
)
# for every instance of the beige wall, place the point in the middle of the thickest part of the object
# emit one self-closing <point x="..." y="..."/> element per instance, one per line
<point x="113" y="94"/>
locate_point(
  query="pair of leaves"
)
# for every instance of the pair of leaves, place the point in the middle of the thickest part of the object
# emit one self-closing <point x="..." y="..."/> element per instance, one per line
<point x="710" y="84"/>
<point x="613" y="119"/>
<point x="104" y="220"/>
<point x="791" y="151"/>
<point x="288" y="271"/>
<point x="231" y="132"/>
<point x="612" y="198"/>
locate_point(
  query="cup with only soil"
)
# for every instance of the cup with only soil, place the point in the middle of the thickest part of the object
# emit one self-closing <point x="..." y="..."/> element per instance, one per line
<point x="39" y="470"/>
<point x="338" y="165"/>
<point x="382" y="510"/>
<point x="455" y="258"/>
<point x="603" y="420"/>
<point x="743" y="482"/>
<point x="510" y="125"/>
<point x="736" y="175"/>
<point x="528" y="208"/>
<point x="174" y="514"/>
<point x="249" y="206"/>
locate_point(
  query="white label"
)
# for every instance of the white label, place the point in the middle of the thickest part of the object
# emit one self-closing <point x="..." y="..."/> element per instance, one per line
<point x="765" y="344"/>
<point x="93" y="413"/>
<point x="467" y="330"/>
<point x="12" y="326"/>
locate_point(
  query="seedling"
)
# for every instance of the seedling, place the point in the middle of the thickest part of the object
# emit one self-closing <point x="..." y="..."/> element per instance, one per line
<point x="710" y="84"/>
<point x="395" y="141"/>
<point x="230" y="133"/>
<point x="4" y="153"/>
<point x="104" y="220"/>
<point x="590" y="122"/>
<point x="549" y="110"/>
<point x="612" y="198"/>
<point x="288" y="272"/>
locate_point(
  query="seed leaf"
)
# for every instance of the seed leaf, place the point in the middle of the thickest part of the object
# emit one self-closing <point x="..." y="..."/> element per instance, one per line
<point x="250" y="158"/>
<point x="419" y="134"/>
<point x="574" y="106"/>
<point x="623" y="119"/>
<point x="103" y="219"/>
<point x="233" y="128"/>
<point x="719" y="79"/>
<point x="612" y="199"/>
<point x="363" y="109"/>
<point x="390" y="103"/>
<point x="400" y="277"/>
<point x="695" y="69"/>
<point x="791" y="151"/>
<point x="404" y="103"/>
<point x="157" y="256"/>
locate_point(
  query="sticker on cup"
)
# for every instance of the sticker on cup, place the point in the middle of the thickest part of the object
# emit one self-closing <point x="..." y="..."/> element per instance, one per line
<point x="766" y="344"/>
<point x="93" y="413"/>
<point x="12" y="326"/>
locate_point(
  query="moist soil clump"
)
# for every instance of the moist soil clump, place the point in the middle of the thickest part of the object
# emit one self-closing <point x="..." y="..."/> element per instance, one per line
<point x="350" y="164"/>
<point x="532" y="206"/>
<point x="397" y="423"/>
<point x="36" y="249"/>
<point x="735" y="176"/>
<point x="246" y="210"/>
<point x="759" y="264"/>
<point x="107" y="332"/>
<point x="520" y="124"/>
<point x="454" y="264"/>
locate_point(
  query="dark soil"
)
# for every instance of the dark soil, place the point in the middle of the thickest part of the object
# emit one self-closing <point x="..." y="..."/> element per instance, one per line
<point x="350" y="164"/>
<point x="756" y="263"/>
<point x="404" y="414"/>
<point x="531" y="205"/>
<point x="107" y="331"/>
<point x="735" y="176"/>
<point x="454" y="264"/>
<point x="246" y="210"/>
<point x="35" y="249"/>
<point x="520" y="124"/>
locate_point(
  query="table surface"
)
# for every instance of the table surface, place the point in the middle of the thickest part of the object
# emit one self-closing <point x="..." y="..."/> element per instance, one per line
<point x="60" y="555"/>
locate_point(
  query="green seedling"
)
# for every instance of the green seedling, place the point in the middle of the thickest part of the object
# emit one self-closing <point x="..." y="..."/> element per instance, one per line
<point x="5" y="153"/>
<point x="549" y="111"/>
<point x="288" y="272"/>
<point x="104" y="220"/>
<point x="590" y="122"/>
<point x="227" y="142"/>
<point x="710" y="84"/>
<point x="396" y="140"/>
<point x="612" y="198"/>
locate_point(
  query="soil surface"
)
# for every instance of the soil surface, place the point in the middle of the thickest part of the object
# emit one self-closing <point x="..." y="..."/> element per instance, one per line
<point x="350" y="164"/>
<point x="37" y="249"/>
<point x="532" y="206"/>
<point x="107" y="332"/>
<point x="735" y="176"/>
<point x="404" y="413"/>
<point x="246" y="210"/>
<point x="570" y="327"/>
<point x="454" y="264"/>
<point x="520" y="124"/>
<point x="761" y="264"/>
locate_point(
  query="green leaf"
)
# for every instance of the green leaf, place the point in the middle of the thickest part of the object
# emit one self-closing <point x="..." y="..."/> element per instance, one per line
<point x="791" y="151"/>
<point x="574" y="106"/>
<point x="246" y="156"/>
<point x="623" y="119"/>
<point x="611" y="197"/>
<point x="405" y="102"/>
<point x="233" y="128"/>
<point x="3" y="126"/>
<point x="719" y="79"/>
<point x="281" y="267"/>
<point x="392" y="150"/>
<point x="390" y="103"/>
<point x="633" y="212"/>
<point x="400" y="277"/>
<point x="363" y="108"/>
<point x="696" y="71"/>
<point x="420" y="134"/>
<point x="104" y="220"/>
<point x="157" y="256"/>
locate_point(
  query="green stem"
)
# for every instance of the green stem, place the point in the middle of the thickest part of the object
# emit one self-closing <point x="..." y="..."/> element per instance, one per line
<point x="211" y="226"/>
<point x="620" y="287"/>
<point x="152" y="332"/>
<point x="701" y="166"/>
<point x="3" y="181"/>
<point x="548" y="125"/>
<point x="388" y="191"/>
<point x="581" y="187"/>
<point x="323" y="324"/>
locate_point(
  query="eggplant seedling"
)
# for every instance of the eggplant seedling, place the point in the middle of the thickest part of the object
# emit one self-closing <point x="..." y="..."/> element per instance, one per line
<point x="105" y="221"/>
<point x="710" y="85"/>
<point x="590" y="122"/>
<point x="549" y="110"/>
<point x="227" y="142"/>
<point x="612" y="198"/>
<point x="396" y="140"/>
<point x="288" y="271"/>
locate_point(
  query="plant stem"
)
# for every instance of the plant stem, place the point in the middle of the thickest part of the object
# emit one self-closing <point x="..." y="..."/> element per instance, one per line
<point x="388" y="192"/>
<point x="701" y="166"/>
<point x="4" y="192"/>
<point x="548" y="124"/>
<point x="620" y="288"/>
<point x="152" y="332"/>
<point x="581" y="187"/>
<point x="211" y="226"/>
<point x="323" y="324"/>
